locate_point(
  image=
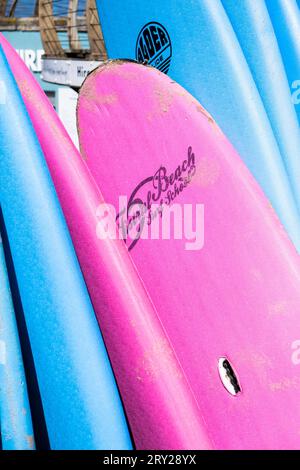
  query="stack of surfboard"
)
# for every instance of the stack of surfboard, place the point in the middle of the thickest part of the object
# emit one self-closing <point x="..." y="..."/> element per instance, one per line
<point x="118" y="327"/>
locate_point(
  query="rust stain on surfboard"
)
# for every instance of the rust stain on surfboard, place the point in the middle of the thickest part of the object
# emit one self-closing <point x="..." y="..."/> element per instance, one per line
<point x="29" y="95"/>
<point x="149" y="365"/>
<point x="278" y="308"/>
<point x="207" y="172"/>
<point x="256" y="274"/>
<point x="285" y="383"/>
<point x="199" y="108"/>
<point x="30" y="440"/>
<point x="163" y="100"/>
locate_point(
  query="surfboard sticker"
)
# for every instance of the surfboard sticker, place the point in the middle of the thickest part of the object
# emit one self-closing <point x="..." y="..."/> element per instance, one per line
<point x="232" y="300"/>
<point x="198" y="31"/>
<point x="154" y="47"/>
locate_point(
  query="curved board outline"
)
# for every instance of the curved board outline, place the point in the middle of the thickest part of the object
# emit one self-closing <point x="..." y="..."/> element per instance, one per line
<point x="163" y="412"/>
<point x="223" y="85"/>
<point x="15" y="415"/>
<point x="234" y="294"/>
<point x="253" y="27"/>
<point x="80" y="399"/>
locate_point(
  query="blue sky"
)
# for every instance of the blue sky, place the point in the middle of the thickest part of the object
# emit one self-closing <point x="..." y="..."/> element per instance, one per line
<point x="26" y="7"/>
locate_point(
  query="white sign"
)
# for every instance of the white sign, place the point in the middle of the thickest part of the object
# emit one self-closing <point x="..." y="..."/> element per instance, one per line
<point x="32" y="58"/>
<point x="66" y="108"/>
<point x="67" y="72"/>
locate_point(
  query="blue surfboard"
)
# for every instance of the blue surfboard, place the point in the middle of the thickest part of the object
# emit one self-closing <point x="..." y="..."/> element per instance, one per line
<point x="252" y="24"/>
<point x="194" y="42"/>
<point x="285" y="15"/>
<point x="15" y="415"/>
<point x="80" y="400"/>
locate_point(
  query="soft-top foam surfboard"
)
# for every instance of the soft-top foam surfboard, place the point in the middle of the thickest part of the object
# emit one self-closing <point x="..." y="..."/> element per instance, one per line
<point x="285" y="15"/>
<point x="181" y="38"/>
<point x="15" y="415"/>
<point x="161" y="408"/>
<point x="80" y="399"/>
<point x="253" y="27"/>
<point x="225" y="278"/>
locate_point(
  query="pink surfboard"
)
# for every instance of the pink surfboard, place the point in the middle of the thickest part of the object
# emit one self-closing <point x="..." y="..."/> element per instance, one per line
<point x="162" y="410"/>
<point x="224" y="277"/>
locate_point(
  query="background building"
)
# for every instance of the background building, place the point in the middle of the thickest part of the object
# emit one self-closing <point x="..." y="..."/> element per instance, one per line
<point x="51" y="36"/>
